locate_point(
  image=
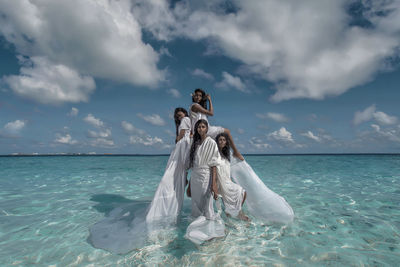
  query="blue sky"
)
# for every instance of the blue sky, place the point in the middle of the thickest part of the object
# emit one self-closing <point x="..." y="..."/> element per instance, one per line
<point x="285" y="76"/>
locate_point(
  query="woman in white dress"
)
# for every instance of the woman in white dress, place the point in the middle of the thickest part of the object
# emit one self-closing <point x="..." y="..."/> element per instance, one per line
<point x="198" y="110"/>
<point x="168" y="199"/>
<point x="233" y="195"/>
<point x="204" y="157"/>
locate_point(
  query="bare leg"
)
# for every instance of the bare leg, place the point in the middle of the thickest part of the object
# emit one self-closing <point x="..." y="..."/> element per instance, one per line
<point x="244" y="198"/>
<point x="236" y="152"/>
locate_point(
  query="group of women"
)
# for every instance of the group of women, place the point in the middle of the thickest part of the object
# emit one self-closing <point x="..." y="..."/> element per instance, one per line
<point x="206" y="151"/>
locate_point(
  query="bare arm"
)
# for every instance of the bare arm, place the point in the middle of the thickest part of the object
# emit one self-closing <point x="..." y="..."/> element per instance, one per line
<point x="214" y="182"/>
<point x="180" y="135"/>
<point x="209" y="112"/>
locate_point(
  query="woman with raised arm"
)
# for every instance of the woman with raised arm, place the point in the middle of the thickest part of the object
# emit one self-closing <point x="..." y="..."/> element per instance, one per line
<point x="198" y="110"/>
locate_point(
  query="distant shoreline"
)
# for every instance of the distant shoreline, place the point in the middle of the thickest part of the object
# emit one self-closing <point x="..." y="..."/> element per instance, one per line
<point x="156" y="155"/>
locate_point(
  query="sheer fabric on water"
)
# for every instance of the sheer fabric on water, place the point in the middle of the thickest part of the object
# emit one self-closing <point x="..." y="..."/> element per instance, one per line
<point x="129" y="226"/>
<point x="261" y="202"/>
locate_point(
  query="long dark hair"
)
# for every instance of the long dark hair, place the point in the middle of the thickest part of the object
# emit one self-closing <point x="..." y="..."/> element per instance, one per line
<point x="225" y="151"/>
<point x="196" y="140"/>
<point x="177" y="121"/>
<point x="203" y="101"/>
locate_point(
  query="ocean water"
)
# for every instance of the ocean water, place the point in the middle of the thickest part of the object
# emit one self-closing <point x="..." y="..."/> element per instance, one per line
<point x="346" y="206"/>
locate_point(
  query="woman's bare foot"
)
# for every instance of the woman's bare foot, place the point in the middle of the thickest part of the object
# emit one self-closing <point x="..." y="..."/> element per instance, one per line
<point x="243" y="217"/>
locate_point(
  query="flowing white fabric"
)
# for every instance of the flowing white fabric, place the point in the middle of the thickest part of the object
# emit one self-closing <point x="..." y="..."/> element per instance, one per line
<point x="130" y="226"/>
<point x="207" y="224"/>
<point x="232" y="194"/>
<point x="168" y="199"/>
<point x="213" y="131"/>
<point x="261" y="202"/>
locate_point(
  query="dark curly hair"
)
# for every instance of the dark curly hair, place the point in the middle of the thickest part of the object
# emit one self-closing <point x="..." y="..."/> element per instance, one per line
<point x="177" y="121"/>
<point x="196" y="140"/>
<point x="203" y="101"/>
<point x="225" y="151"/>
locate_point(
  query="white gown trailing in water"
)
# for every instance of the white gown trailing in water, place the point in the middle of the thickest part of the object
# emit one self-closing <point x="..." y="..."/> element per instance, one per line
<point x="168" y="199"/>
<point x="207" y="224"/>
<point x="261" y="202"/>
<point x="128" y="226"/>
<point x="213" y="131"/>
<point x="232" y="194"/>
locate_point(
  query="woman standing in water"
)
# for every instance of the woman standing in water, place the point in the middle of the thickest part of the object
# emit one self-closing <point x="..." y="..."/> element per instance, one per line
<point x="204" y="157"/>
<point x="233" y="195"/>
<point x="198" y="110"/>
<point x="168" y="199"/>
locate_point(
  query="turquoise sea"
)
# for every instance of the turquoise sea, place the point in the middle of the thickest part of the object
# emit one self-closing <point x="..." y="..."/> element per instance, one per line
<point x="346" y="206"/>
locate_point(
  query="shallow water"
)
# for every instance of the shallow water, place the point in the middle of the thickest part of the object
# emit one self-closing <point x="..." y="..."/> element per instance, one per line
<point x="346" y="206"/>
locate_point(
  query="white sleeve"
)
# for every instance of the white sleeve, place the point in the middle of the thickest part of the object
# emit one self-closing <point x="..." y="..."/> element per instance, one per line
<point x="185" y="124"/>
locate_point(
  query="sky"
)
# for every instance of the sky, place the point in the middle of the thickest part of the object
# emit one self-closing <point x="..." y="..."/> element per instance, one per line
<point x="105" y="76"/>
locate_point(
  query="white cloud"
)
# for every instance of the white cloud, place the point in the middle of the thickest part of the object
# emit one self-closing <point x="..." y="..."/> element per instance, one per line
<point x="240" y="130"/>
<point x="307" y="49"/>
<point x="259" y="143"/>
<point x="230" y="81"/>
<point x="50" y="83"/>
<point x="281" y="135"/>
<point x="103" y="39"/>
<point x="391" y="134"/>
<point x="93" y="121"/>
<point x="174" y="93"/>
<point x="165" y="51"/>
<point x="201" y="73"/>
<point x="311" y="136"/>
<point x="147" y="140"/>
<point x="74" y="112"/>
<point x="129" y="128"/>
<point x="154" y="119"/>
<point x="15" y="126"/>
<point x="66" y="139"/>
<point x="273" y="116"/>
<point x="371" y="113"/>
<point x="102" y="142"/>
<point x="100" y="134"/>
<point x="385" y="119"/>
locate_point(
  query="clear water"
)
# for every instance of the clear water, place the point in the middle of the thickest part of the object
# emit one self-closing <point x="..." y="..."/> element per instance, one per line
<point x="347" y="213"/>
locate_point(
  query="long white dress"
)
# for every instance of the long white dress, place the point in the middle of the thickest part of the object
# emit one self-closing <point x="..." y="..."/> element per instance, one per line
<point x="168" y="199"/>
<point x="261" y="202"/>
<point x="128" y="226"/>
<point x="213" y="131"/>
<point x="207" y="224"/>
<point x="232" y="194"/>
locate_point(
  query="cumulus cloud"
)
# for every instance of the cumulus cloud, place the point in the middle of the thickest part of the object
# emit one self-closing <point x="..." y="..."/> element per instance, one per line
<point x="103" y="39"/>
<point x="146" y="140"/>
<point x="129" y="128"/>
<point x="230" y="81"/>
<point x="201" y="73"/>
<point x="74" y="112"/>
<point x="66" y="139"/>
<point x="391" y="134"/>
<point x="15" y="126"/>
<point x="50" y="83"/>
<point x="174" y="93"/>
<point x="371" y="113"/>
<point x="281" y="135"/>
<point x="273" y="116"/>
<point x="154" y="119"/>
<point x="311" y="136"/>
<point x="259" y="143"/>
<point x="106" y="133"/>
<point x="93" y="121"/>
<point x="309" y="49"/>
